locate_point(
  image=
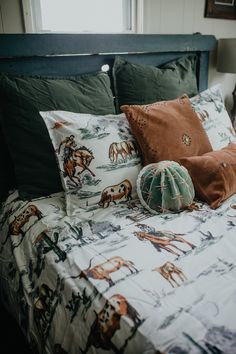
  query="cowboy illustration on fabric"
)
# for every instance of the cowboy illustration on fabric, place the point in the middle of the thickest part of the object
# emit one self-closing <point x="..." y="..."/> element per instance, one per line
<point x="69" y="146"/>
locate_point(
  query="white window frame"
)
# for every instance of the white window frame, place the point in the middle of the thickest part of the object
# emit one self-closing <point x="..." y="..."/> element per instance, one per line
<point x="133" y="16"/>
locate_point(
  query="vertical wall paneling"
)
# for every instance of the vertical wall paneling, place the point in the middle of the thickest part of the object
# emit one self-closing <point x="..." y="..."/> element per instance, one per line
<point x="152" y="16"/>
<point x="12" y="20"/>
<point x="1" y="24"/>
<point x="174" y="16"/>
<point x="187" y="16"/>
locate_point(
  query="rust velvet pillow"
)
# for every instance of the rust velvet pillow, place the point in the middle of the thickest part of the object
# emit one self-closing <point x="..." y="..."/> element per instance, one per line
<point x="167" y="130"/>
<point x="213" y="174"/>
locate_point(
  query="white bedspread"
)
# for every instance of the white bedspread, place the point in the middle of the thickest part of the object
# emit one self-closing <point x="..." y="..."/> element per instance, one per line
<point x="120" y="279"/>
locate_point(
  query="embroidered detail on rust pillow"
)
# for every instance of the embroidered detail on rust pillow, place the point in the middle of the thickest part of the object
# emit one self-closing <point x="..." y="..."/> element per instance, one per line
<point x="167" y="130"/>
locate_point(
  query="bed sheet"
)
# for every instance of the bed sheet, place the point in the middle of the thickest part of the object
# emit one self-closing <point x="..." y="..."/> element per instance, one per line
<point x="119" y="279"/>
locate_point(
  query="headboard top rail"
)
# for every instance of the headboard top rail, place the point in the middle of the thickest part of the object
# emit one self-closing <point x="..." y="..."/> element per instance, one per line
<point x="53" y="44"/>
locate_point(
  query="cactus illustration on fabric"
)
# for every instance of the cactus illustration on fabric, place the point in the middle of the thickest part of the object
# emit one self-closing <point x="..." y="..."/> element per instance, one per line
<point x="164" y="186"/>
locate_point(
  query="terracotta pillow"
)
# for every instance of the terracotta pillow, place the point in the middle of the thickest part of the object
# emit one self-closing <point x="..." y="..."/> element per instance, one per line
<point x="167" y="130"/>
<point x="213" y="174"/>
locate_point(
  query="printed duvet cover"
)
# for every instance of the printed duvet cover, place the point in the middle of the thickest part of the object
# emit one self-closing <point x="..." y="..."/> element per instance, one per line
<point x="120" y="280"/>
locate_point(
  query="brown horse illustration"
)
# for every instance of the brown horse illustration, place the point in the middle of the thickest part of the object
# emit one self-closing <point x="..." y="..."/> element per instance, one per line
<point x="116" y="192"/>
<point x="168" y="270"/>
<point x="81" y="158"/>
<point x="122" y="149"/>
<point x="102" y="271"/>
<point x="107" y="322"/>
<point x="15" y="227"/>
<point x="164" y="240"/>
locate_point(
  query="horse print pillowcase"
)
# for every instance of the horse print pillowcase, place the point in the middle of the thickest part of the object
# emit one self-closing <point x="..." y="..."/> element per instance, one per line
<point x="97" y="157"/>
<point x="210" y="108"/>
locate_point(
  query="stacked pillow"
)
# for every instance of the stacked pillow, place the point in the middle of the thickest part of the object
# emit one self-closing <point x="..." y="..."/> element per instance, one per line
<point x="174" y="124"/>
<point x="97" y="157"/>
<point x="187" y="130"/>
<point x="21" y="99"/>
<point x="167" y="130"/>
<point x="24" y="141"/>
<point x="210" y="108"/>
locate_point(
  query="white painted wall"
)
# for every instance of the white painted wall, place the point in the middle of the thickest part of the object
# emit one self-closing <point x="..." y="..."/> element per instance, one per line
<point x="187" y="17"/>
<point x="11" y="20"/>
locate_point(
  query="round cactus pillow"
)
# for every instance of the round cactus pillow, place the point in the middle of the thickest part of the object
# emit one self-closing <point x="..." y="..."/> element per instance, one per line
<point x="165" y="186"/>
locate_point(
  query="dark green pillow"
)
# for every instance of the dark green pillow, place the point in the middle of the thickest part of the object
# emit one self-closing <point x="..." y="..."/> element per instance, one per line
<point x="144" y="84"/>
<point x="21" y="99"/>
<point x="7" y="177"/>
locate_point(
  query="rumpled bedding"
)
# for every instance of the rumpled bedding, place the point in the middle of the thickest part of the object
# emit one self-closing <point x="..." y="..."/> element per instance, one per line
<point x="119" y="279"/>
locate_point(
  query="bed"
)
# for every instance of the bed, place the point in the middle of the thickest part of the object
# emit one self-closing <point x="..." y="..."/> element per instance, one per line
<point x="111" y="277"/>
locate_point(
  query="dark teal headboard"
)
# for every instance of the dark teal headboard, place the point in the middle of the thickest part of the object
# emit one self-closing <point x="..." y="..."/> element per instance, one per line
<point x="60" y="54"/>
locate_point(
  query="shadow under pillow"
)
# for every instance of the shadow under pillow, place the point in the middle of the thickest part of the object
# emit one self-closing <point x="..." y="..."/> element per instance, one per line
<point x="213" y="174"/>
<point x="167" y="130"/>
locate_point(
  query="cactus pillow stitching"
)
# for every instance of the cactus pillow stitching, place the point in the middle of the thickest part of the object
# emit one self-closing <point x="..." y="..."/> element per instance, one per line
<point x="97" y="157"/>
<point x="210" y="108"/>
<point x="165" y="186"/>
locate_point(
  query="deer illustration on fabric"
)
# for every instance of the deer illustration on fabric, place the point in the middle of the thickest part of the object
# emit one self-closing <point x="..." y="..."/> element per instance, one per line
<point x="168" y="270"/>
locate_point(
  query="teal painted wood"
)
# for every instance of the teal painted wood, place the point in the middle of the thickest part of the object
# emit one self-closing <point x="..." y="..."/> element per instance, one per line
<point x="69" y="54"/>
<point x="58" y="44"/>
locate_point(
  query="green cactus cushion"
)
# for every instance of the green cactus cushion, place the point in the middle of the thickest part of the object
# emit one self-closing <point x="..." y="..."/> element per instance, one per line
<point x="165" y="186"/>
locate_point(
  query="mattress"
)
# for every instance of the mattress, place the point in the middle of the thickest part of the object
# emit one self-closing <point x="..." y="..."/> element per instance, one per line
<point x="119" y="279"/>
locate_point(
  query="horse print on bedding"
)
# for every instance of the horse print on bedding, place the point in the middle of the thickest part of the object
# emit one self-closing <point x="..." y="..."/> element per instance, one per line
<point x="122" y="151"/>
<point x="17" y="225"/>
<point x="108" y="321"/>
<point x="97" y="156"/>
<point x="103" y="270"/>
<point x="162" y="240"/>
<point x="74" y="158"/>
<point x="168" y="270"/>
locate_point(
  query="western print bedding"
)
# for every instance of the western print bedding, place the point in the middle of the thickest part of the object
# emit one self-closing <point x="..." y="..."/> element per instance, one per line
<point x="121" y="280"/>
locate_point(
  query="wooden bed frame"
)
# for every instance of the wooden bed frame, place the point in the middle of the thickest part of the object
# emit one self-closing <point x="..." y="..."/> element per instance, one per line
<point x="68" y="54"/>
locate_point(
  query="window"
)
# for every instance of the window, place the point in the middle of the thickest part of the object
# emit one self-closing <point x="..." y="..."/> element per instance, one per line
<point x="84" y="16"/>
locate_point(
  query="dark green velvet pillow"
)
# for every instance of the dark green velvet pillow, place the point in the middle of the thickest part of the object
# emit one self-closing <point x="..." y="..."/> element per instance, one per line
<point x="143" y="84"/>
<point x="21" y="99"/>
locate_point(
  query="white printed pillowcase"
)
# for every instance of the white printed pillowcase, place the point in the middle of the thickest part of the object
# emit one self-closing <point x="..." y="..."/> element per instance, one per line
<point x="97" y="158"/>
<point x="210" y="108"/>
